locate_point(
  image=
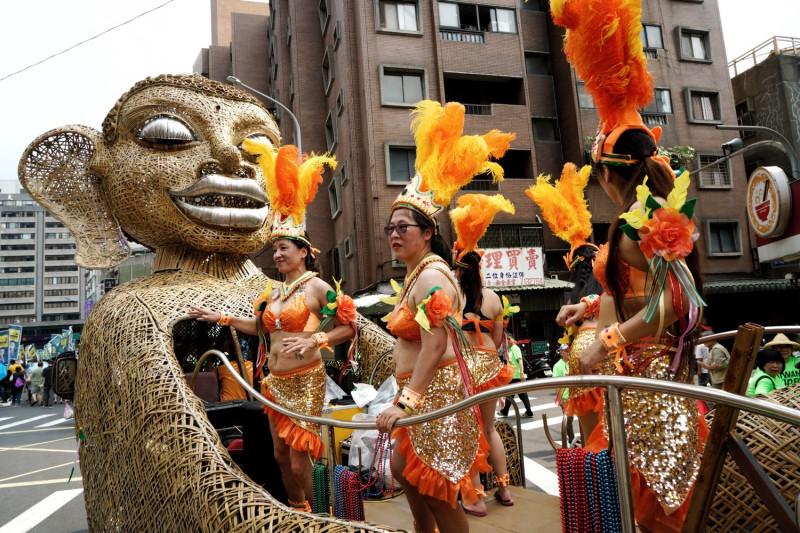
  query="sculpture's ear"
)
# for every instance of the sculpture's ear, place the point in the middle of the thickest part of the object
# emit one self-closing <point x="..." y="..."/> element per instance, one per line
<point x="55" y="170"/>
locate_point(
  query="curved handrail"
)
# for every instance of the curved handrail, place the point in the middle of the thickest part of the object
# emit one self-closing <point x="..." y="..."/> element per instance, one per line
<point x="761" y="407"/>
<point x="732" y="333"/>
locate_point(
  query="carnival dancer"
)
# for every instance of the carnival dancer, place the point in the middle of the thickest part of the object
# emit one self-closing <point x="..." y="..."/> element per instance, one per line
<point x="564" y="208"/>
<point x="292" y="313"/>
<point x="435" y="461"/>
<point x="482" y="324"/>
<point x="650" y="313"/>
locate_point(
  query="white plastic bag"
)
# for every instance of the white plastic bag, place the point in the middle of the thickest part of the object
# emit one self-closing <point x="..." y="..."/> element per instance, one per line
<point x="363" y="394"/>
<point x="364" y="439"/>
<point x="332" y="391"/>
<point x="384" y="397"/>
<point x="68" y="411"/>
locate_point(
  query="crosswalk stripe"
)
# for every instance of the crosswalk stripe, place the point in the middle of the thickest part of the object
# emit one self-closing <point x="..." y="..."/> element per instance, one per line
<point x="11" y="425"/>
<point x="39" y="512"/>
<point x="5" y="418"/>
<point x="55" y="422"/>
<point x="538" y="475"/>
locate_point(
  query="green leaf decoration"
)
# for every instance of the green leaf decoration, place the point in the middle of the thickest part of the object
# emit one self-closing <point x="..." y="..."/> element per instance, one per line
<point x="688" y="207"/>
<point x="652" y="204"/>
<point x="630" y="231"/>
<point x="331" y="296"/>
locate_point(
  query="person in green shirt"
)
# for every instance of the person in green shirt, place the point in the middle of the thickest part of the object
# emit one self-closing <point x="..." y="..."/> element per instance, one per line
<point x="561" y="368"/>
<point x="791" y="372"/>
<point x="515" y="360"/>
<point x="767" y="377"/>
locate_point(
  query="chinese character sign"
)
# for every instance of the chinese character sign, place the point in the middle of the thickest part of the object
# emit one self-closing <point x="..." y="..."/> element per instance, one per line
<point x="512" y="267"/>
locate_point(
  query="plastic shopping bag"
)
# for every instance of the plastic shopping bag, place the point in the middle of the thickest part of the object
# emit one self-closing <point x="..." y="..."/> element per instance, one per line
<point x="68" y="413"/>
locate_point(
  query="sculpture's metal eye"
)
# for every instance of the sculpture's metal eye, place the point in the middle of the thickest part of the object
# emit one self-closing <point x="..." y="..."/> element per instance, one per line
<point x="166" y="130"/>
<point x="259" y="138"/>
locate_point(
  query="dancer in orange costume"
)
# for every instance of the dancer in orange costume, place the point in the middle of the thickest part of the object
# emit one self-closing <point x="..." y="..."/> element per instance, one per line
<point x="651" y="308"/>
<point x="435" y="461"/>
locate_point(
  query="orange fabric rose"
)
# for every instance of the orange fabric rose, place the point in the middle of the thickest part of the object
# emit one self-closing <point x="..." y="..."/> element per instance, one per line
<point x="438" y="307"/>
<point x="345" y="309"/>
<point x="669" y="234"/>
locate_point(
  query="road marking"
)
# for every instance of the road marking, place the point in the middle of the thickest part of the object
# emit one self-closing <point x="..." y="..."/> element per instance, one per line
<point x="49" y="450"/>
<point x="62" y="480"/>
<point x="5" y="418"/>
<point x="72" y="428"/>
<point x="11" y="425"/>
<point x="39" y="512"/>
<point x="36" y="471"/>
<point x="538" y="475"/>
<point x="55" y="422"/>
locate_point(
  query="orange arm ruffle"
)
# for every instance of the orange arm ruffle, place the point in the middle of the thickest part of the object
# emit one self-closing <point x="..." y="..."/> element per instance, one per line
<point x="294" y="436"/>
<point x="429" y="482"/>
<point x="503" y="377"/>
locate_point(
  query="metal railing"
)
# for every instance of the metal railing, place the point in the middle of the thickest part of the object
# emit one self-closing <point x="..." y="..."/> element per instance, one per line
<point x="614" y="386"/>
<point x="464" y="36"/>
<point x="775" y="46"/>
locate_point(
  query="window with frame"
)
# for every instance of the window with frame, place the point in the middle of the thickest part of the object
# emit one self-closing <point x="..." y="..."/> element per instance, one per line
<point x="400" y="164"/>
<point x="328" y="74"/>
<point x="324" y="14"/>
<point x="288" y="31"/>
<point x="661" y="104"/>
<point x="337" y="35"/>
<point x="545" y="129"/>
<point x="512" y="236"/>
<point x="745" y="116"/>
<point x="534" y="5"/>
<point x="476" y="18"/>
<point x="703" y="106"/>
<point x="717" y="176"/>
<point x="537" y="64"/>
<point x="330" y="131"/>
<point x="340" y="102"/>
<point x="651" y="37"/>
<point x="344" y="172"/>
<point x="335" y="197"/>
<point x="724" y="238"/>
<point x="348" y="246"/>
<point x="402" y="86"/>
<point x="695" y="44"/>
<point x="585" y="100"/>
<point x="397" y="16"/>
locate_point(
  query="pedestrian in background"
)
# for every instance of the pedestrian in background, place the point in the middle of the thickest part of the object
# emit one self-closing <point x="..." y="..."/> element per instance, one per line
<point x="515" y="360"/>
<point x="47" y="386"/>
<point x="561" y="368"/>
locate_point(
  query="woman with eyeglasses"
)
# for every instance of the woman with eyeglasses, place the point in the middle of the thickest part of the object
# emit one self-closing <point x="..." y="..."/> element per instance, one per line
<point x="434" y="461"/>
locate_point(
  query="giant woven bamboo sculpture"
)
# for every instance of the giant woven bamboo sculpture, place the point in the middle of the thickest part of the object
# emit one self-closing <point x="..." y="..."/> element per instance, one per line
<point x="167" y="171"/>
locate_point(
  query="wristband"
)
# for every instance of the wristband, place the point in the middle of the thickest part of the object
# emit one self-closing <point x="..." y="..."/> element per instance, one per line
<point x="322" y="339"/>
<point x="593" y="304"/>
<point x="615" y="344"/>
<point x="224" y="319"/>
<point x="411" y="398"/>
<point x="405" y="408"/>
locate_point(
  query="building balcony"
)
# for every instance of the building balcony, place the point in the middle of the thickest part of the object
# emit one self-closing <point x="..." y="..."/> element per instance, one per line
<point x="655" y="119"/>
<point x="498" y="55"/>
<point x="504" y="117"/>
<point x="463" y="36"/>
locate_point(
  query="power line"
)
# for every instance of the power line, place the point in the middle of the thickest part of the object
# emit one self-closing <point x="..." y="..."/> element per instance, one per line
<point x="85" y="41"/>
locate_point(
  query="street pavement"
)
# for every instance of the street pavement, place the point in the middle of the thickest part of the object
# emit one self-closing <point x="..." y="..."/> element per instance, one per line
<point x="37" y="450"/>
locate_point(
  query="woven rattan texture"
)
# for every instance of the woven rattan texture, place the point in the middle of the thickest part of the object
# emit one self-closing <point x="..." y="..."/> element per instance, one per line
<point x="776" y="446"/>
<point x="375" y="347"/>
<point x="152" y="461"/>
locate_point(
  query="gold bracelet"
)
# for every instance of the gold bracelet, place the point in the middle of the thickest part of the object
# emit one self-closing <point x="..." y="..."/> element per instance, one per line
<point x="224" y="319"/>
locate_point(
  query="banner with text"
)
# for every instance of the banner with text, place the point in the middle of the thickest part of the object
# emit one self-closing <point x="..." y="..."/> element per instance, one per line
<point x="512" y="267"/>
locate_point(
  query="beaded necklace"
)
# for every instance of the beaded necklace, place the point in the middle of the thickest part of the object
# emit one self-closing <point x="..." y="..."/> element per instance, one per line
<point x="412" y="277"/>
<point x="322" y="497"/>
<point x="285" y="290"/>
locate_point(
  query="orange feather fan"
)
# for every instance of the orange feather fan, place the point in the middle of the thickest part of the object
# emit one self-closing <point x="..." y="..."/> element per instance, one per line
<point x="472" y="218"/>
<point x="564" y="206"/>
<point x="603" y="43"/>
<point x="446" y="160"/>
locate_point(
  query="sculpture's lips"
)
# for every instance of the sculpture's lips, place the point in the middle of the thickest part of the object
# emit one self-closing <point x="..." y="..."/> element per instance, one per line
<point x="225" y="202"/>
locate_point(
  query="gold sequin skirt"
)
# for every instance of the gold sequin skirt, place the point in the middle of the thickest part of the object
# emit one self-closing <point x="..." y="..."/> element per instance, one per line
<point x="486" y="369"/>
<point x="302" y="390"/>
<point x="582" y="400"/>
<point x="444" y="454"/>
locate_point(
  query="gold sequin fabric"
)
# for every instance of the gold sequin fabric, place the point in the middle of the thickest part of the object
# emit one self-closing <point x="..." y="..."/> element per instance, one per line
<point x="301" y="390"/>
<point x="582" y="340"/>
<point x="661" y="429"/>
<point x="483" y="365"/>
<point x="449" y="445"/>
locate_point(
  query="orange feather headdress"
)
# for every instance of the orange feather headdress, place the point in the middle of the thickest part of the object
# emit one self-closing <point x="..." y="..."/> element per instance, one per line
<point x="564" y="206"/>
<point x="472" y="218"/>
<point x="446" y="160"/>
<point x="603" y="43"/>
<point x="291" y="185"/>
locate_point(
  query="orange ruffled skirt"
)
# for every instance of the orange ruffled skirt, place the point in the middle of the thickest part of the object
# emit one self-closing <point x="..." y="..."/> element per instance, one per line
<point x="442" y="456"/>
<point x="487" y="370"/>
<point x="302" y="390"/>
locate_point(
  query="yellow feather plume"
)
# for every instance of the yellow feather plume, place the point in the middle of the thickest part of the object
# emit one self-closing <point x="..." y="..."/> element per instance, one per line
<point x="473" y="216"/>
<point x="564" y="206"/>
<point x="446" y="160"/>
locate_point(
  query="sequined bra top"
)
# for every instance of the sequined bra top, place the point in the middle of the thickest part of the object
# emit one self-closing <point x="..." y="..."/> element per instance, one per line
<point x="294" y="317"/>
<point x="633" y="279"/>
<point x="402" y="324"/>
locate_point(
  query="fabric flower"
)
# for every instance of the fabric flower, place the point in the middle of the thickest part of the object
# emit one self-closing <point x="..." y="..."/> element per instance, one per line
<point x="669" y="234"/>
<point x="346" y="309"/>
<point x="432" y="311"/>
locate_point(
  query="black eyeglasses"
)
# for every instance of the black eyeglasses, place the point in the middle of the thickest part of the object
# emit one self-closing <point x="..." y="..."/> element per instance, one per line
<point x="400" y="228"/>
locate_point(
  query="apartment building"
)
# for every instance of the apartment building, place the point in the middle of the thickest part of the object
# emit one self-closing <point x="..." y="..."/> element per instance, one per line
<point x="352" y="71"/>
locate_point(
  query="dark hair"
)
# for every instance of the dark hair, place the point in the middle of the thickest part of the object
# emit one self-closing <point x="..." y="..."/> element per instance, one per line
<point x="641" y="146"/>
<point x="768" y="356"/>
<point x="471" y="281"/>
<point x="583" y="274"/>
<point x="438" y="245"/>
<point x="311" y="263"/>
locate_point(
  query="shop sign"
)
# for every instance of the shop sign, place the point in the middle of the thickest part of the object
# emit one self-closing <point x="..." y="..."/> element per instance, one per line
<point x="769" y="202"/>
<point x="513" y="267"/>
